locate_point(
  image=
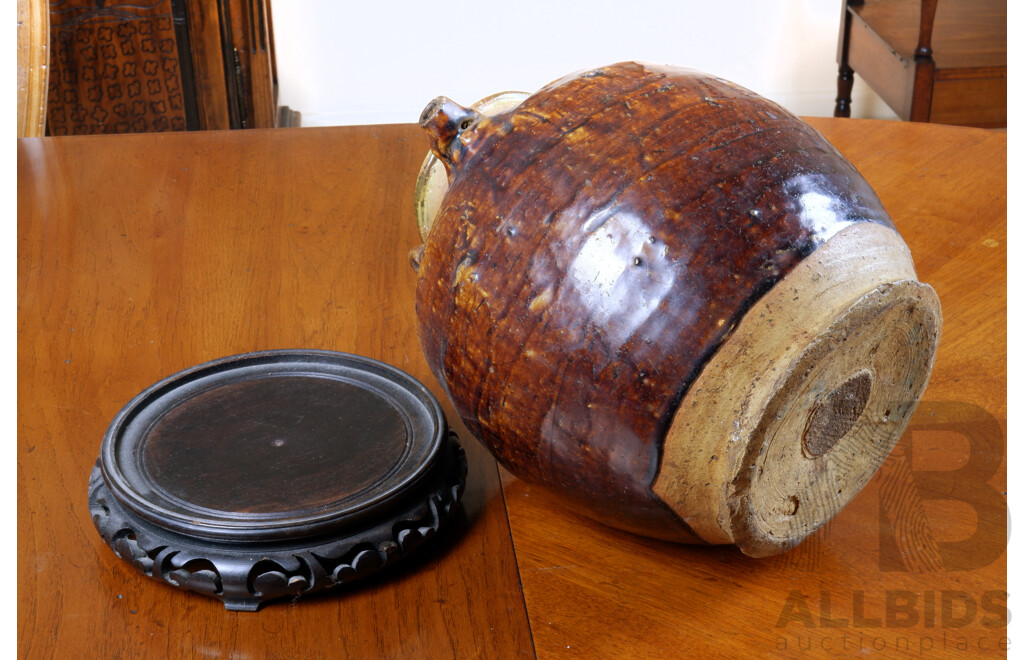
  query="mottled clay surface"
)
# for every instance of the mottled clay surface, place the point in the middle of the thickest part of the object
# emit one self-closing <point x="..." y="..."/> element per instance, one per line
<point x="596" y="246"/>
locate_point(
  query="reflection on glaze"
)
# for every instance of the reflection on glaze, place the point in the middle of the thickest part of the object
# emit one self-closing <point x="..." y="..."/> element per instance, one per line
<point x="596" y="245"/>
<point x="620" y="274"/>
<point x="823" y="210"/>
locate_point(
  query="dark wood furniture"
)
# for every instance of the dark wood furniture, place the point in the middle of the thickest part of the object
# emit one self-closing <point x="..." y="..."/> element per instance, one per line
<point x="939" y="61"/>
<point x="275" y="474"/>
<point x="203" y="252"/>
<point x="161" y="65"/>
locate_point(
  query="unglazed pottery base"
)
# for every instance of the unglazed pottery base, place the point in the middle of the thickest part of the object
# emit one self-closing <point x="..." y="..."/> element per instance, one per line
<point x="800" y="406"/>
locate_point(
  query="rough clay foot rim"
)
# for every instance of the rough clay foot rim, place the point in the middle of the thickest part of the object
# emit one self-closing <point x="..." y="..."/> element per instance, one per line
<point x="799" y="408"/>
<point x="275" y="474"/>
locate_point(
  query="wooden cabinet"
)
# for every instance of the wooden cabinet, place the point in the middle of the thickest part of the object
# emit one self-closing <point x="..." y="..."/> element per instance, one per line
<point x="161" y="65"/>
<point x="939" y="61"/>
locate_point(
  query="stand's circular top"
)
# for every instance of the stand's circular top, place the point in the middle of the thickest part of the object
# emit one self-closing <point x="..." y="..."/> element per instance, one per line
<point x="272" y="446"/>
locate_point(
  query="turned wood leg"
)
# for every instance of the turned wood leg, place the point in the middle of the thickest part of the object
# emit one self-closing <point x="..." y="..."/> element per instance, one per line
<point x="844" y="84"/>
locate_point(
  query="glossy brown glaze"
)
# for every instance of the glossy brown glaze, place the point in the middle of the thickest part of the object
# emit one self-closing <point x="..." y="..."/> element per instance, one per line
<point x="596" y="246"/>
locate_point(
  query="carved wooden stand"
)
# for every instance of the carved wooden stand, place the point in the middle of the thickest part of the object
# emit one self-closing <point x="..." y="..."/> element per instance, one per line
<point x="275" y="474"/>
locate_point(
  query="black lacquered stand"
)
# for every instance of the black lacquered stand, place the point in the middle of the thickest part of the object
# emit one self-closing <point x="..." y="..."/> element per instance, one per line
<point x="275" y="474"/>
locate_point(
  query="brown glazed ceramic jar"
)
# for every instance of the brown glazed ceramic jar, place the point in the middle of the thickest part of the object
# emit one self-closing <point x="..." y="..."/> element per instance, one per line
<point x="672" y="302"/>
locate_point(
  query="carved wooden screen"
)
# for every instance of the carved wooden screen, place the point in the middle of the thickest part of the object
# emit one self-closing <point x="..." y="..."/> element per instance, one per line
<point x="160" y="65"/>
<point x="116" y="68"/>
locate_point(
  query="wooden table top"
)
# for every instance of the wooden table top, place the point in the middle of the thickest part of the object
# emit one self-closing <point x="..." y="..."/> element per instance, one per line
<point x="139" y="256"/>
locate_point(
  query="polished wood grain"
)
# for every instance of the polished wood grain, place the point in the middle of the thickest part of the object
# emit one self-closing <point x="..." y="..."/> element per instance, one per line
<point x="220" y="243"/>
<point x="214" y="245"/>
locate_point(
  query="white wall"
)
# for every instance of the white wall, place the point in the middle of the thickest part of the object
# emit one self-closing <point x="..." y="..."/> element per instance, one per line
<point x="342" y="62"/>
